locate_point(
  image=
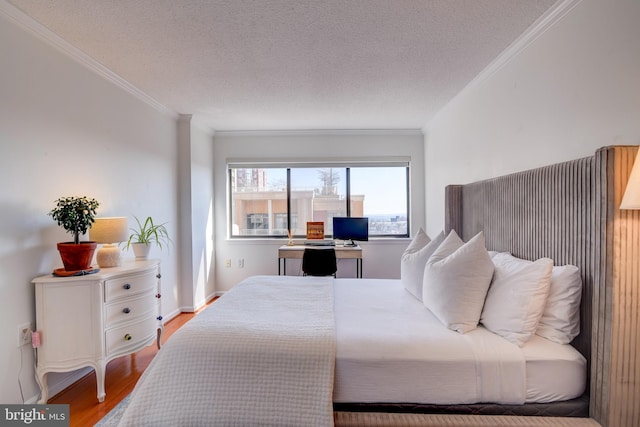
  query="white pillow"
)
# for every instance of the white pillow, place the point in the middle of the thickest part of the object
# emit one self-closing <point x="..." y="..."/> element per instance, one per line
<point x="414" y="259"/>
<point x="494" y="253"/>
<point x="419" y="241"/>
<point x="560" y="321"/>
<point x="517" y="297"/>
<point x="456" y="279"/>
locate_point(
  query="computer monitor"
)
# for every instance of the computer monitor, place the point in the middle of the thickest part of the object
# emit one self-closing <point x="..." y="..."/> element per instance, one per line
<point x="351" y="229"/>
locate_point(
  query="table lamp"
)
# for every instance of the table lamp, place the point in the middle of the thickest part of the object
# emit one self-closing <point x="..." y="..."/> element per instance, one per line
<point x="109" y="231"/>
<point x="631" y="197"/>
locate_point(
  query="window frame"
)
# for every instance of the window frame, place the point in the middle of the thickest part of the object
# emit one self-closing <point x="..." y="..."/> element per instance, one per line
<point x="328" y="163"/>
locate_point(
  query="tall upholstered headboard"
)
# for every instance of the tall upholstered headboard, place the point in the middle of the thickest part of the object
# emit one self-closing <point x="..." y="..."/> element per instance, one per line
<point x="569" y="213"/>
<point x="542" y="212"/>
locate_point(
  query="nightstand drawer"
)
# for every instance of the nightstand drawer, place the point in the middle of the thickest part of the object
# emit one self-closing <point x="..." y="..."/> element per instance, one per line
<point x="129" y="309"/>
<point x="130" y="285"/>
<point x="130" y="335"/>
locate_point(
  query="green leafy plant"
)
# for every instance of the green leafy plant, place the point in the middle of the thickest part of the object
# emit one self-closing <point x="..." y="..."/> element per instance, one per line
<point x="148" y="232"/>
<point x="75" y="214"/>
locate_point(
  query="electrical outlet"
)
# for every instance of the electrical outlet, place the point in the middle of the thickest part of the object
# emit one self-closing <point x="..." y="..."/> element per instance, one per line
<point x="241" y="263"/>
<point x="24" y="334"/>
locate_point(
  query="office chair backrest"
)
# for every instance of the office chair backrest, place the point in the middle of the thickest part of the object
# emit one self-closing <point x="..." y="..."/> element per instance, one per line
<point x="319" y="262"/>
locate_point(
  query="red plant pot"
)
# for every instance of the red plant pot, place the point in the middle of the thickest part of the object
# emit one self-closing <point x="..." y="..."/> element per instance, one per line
<point x="77" y="257"/>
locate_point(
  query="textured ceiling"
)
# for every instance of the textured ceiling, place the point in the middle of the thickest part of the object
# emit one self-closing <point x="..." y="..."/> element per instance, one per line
<point x="293" y="64"/>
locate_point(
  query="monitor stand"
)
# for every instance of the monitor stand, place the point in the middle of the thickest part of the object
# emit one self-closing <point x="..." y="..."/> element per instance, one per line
<point x="349" y="243"/>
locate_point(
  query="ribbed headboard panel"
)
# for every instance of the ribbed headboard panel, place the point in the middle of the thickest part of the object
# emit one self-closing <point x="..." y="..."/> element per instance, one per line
<point x="544" y="212"/>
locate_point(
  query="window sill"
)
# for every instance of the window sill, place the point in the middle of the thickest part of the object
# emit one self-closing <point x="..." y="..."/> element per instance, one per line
<point x="283" y="241"/>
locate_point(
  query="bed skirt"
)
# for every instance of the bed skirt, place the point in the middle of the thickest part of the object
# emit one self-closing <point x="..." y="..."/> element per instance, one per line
<point x="578" y="407"/>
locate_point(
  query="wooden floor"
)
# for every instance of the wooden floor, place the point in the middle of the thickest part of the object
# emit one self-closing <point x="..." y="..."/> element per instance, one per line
<point x="122" y="375"/>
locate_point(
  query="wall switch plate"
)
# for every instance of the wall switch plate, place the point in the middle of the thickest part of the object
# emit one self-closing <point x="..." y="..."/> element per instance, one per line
<point x="24" y="334"/>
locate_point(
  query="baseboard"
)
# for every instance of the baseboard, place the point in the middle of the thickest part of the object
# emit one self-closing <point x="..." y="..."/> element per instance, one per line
<point x="171" y="315"/>
<point x="200" y="304"/>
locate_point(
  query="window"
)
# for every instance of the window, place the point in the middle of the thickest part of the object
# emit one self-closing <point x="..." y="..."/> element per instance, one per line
<point x="257" y="196"/>
<point x="376" y="192"/>
<point x="270" y="199"/>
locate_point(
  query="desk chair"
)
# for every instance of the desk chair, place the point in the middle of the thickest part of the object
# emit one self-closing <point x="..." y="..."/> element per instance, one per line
<point x="319" y="262"/>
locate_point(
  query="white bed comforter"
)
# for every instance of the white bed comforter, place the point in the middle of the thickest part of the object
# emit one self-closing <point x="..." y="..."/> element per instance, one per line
<point x="264" y="354"/>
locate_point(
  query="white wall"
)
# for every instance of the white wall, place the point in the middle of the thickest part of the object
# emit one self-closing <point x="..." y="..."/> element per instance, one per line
<point x="64" y="130"/>
<point x="572" y="90"/>
<point x="381" y="258"/>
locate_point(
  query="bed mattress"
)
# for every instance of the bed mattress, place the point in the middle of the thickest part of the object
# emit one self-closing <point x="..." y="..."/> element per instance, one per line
<point x="390" y="348"/>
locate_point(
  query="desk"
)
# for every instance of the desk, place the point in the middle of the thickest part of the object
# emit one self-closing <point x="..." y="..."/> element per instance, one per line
<point x="342" y="252"/>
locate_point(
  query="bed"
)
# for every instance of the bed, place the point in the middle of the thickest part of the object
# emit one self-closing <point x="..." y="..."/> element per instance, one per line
<point x="308" y="361"/>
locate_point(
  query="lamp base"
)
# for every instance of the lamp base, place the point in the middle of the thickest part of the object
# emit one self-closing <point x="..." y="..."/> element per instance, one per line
<point x="109" y="255"/>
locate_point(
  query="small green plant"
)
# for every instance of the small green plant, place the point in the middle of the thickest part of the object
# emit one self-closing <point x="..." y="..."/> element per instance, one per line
<point x="75" y="214"/>
<point x="148" y="232"/>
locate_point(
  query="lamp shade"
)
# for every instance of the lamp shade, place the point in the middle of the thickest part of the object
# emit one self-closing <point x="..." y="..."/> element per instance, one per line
<point x="109" y="230"/>
<point x="631" y="198"/>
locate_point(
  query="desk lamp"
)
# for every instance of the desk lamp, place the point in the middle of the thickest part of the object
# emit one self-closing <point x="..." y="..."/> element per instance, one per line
<point x="109" y="231"/>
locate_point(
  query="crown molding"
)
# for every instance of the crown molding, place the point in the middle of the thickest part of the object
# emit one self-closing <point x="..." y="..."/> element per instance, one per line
<point x="537" y="29"/>
<point x="44" y="34"/>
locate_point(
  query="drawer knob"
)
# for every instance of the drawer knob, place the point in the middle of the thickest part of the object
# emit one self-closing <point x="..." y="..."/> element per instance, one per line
<point x="158" y="295"/>
<point x="158" y="275"/>
<point x="159" y="317"/>
<point x="126" y="286"/>
<point x="126" y="310"/>
<point x="127" y="337"/>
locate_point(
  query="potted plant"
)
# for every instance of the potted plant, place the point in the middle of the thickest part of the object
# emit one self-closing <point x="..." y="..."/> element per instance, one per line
<point x="145" y="234"/>
<point x="75" y="215"/>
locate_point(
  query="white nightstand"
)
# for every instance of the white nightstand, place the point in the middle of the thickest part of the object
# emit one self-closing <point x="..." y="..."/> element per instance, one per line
<point x="90" y="320"/>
